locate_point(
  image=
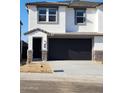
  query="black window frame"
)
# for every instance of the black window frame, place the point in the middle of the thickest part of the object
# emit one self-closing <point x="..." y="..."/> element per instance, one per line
<point x="47" y="15"/>
<point x="52" y="15"/>
<point x="83" y="16"/>
<point x="42" y="14"/>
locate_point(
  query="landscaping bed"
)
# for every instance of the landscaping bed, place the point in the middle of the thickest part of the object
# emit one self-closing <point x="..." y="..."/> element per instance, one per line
<point x="36" y="68"/>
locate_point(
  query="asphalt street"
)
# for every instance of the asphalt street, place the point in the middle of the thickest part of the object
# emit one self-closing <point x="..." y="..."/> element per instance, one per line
<point x="39" y="86"/>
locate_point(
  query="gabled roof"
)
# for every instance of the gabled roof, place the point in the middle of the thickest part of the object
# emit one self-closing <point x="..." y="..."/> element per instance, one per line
<point x="76" y="4"/>
<point x="36" y="29"/>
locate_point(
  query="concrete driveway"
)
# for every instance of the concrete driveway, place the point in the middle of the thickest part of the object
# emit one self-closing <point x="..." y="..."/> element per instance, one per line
<point x="80" y="68"/>
<point x="76" y="71"/>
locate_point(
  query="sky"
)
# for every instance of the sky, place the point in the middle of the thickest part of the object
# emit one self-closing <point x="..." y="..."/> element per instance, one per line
<point x="24" y="16"/>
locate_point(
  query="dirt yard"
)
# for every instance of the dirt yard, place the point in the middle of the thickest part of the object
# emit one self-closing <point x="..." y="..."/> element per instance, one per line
<point x="36" y="68"/>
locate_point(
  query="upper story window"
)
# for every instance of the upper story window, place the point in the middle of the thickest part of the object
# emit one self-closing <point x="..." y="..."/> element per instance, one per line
<point x="52" y="15"/>
<point x="80" y="16"/>
<point x="42" y="14"/>
<point x="47" y="15"/>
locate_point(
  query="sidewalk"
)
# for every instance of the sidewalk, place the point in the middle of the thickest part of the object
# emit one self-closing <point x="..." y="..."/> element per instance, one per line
<point x="61" y="77"/>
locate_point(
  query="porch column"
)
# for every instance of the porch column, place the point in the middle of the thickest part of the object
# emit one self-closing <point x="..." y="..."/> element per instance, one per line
<point x="29" y="56"/>
<point x="44" y="48"/>
<point x="30" y="50"/>
<point x="44" y="55"/>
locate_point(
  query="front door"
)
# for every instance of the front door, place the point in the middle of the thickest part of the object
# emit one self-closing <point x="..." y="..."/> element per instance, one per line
<point x="37" y="55"/>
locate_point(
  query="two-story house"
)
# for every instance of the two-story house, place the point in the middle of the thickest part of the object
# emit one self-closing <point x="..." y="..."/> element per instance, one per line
<point x="65" y="31"/>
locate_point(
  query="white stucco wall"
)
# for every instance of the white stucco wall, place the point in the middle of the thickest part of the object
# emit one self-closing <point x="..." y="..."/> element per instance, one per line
<point x="66" y="21"/>
<point x="56" y="28"/>
<point x="32" y="24"/>
<point x="90" y="21"/>
<point x="100" y="18"/>
<point x="98" y="43"/>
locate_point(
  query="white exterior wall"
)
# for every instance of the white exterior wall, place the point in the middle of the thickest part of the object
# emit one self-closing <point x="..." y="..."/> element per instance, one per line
<point x="98" y="40"/>
<point x="90" y="25"/>
<point x="56" y="28"/>
<point x="98" y="43"/>
<point x="100" y="18"/>
<point x="66" y="23"/>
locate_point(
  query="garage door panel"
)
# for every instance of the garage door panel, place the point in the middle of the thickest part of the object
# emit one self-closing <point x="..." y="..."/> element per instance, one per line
<point x="69" y="49"/>
<point x="74" y="55"/>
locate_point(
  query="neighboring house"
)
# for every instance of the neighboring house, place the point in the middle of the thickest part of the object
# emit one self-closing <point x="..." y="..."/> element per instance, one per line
<point x="24" y="47"/>
<point x="20" y="40"/>
<point x="65" y="31"/>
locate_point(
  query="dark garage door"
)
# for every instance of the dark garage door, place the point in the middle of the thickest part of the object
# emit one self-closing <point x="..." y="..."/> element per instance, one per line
<point x="69" y="49"/>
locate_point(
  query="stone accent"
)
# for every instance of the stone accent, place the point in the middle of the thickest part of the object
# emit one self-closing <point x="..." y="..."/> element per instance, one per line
<point x="44" y="55"/>
<point x="98" y="55"/>
<point x="29" y="56"/>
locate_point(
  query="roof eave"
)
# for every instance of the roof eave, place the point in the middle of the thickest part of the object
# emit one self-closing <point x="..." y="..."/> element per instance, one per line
<point x="62" y="4"/>
<point x="82" y="6"/>
<point x="46" y="4"/>
<point x="78" y="34"/>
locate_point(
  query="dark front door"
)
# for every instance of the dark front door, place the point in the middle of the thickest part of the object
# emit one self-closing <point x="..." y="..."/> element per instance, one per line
<point x="69" y="49"/>
<point x="37" y="48"/>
